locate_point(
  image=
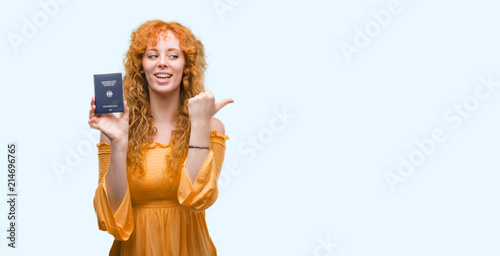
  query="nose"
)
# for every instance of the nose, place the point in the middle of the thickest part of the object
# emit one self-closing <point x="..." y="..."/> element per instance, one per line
<point x="163" y="62"/>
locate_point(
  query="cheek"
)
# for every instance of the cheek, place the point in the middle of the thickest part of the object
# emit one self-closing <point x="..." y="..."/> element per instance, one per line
<point x="148" y="64"/>
<point x="180" y="67"/>
<point x="145" y="66"/>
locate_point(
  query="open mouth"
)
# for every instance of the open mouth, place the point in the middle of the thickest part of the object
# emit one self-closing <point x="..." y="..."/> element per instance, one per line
<point x="163" y="76"/>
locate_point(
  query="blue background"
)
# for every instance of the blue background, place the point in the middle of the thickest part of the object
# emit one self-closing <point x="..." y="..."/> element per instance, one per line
<point x="314" y="133"/>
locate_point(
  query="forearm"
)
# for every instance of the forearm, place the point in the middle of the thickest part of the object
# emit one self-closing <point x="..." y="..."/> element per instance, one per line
<point x="116" y="177"/>
<point x="200" y="136"/>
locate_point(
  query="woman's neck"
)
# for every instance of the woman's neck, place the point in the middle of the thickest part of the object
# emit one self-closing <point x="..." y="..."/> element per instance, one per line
<point x="164" y="108"/>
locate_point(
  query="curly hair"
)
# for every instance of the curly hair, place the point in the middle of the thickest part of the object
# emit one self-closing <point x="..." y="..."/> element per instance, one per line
<point x="136" y="93"/>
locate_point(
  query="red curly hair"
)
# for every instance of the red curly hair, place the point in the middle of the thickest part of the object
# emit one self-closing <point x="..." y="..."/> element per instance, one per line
<point x="136" y="93"/>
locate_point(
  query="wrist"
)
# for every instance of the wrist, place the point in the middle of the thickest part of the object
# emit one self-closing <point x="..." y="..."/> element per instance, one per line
<point x="200" y="123"/>
<point x="121" y="141"/>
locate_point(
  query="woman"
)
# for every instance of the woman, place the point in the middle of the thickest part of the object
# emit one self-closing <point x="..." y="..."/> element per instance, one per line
<point x="159" y="162"/>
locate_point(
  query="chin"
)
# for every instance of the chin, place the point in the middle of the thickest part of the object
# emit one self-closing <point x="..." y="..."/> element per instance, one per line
<point x="162" y="89"/>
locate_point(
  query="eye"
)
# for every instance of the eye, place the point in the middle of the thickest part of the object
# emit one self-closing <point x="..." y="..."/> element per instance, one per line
<point x="152" y="56"/>
<point x="174" y="56"/>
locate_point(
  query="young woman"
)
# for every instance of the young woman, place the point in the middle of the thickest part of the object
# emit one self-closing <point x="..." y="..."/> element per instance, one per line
<point x="159" y="162"/>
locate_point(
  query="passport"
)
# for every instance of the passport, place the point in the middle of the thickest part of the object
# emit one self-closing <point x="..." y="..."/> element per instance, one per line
<point x="108" y="90"/>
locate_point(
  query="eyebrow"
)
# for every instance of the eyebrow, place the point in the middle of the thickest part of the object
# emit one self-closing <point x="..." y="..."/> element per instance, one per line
<point x="168" y="50"/>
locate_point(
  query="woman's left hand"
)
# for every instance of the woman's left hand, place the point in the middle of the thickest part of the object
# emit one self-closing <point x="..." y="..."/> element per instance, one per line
<point x="202" y="107"/>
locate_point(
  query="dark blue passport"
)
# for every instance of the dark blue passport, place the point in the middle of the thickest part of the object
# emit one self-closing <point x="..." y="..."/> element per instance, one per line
<point x="108" y="91"/>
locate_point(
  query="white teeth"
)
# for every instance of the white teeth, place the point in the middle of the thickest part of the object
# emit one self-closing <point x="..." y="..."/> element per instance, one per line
<point x="163" y="75"/>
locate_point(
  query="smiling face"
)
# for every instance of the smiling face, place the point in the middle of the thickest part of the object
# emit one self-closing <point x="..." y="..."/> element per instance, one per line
<point x="163" y="64"/>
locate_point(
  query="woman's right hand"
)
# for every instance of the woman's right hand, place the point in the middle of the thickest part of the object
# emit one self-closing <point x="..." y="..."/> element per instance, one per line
<point x="116" y="129"/>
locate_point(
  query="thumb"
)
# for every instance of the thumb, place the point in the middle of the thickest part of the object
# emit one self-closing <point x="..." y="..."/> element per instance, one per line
<point x="125" y="113"/>
<point x="222" y="104"/>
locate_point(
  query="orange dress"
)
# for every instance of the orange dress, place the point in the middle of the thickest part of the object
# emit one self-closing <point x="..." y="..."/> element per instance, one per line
<point x="157" y="217"/>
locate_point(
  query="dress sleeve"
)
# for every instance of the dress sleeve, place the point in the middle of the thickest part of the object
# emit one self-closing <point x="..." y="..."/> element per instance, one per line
<point x="121" y="223"/>
<point x="203" y="193"/>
